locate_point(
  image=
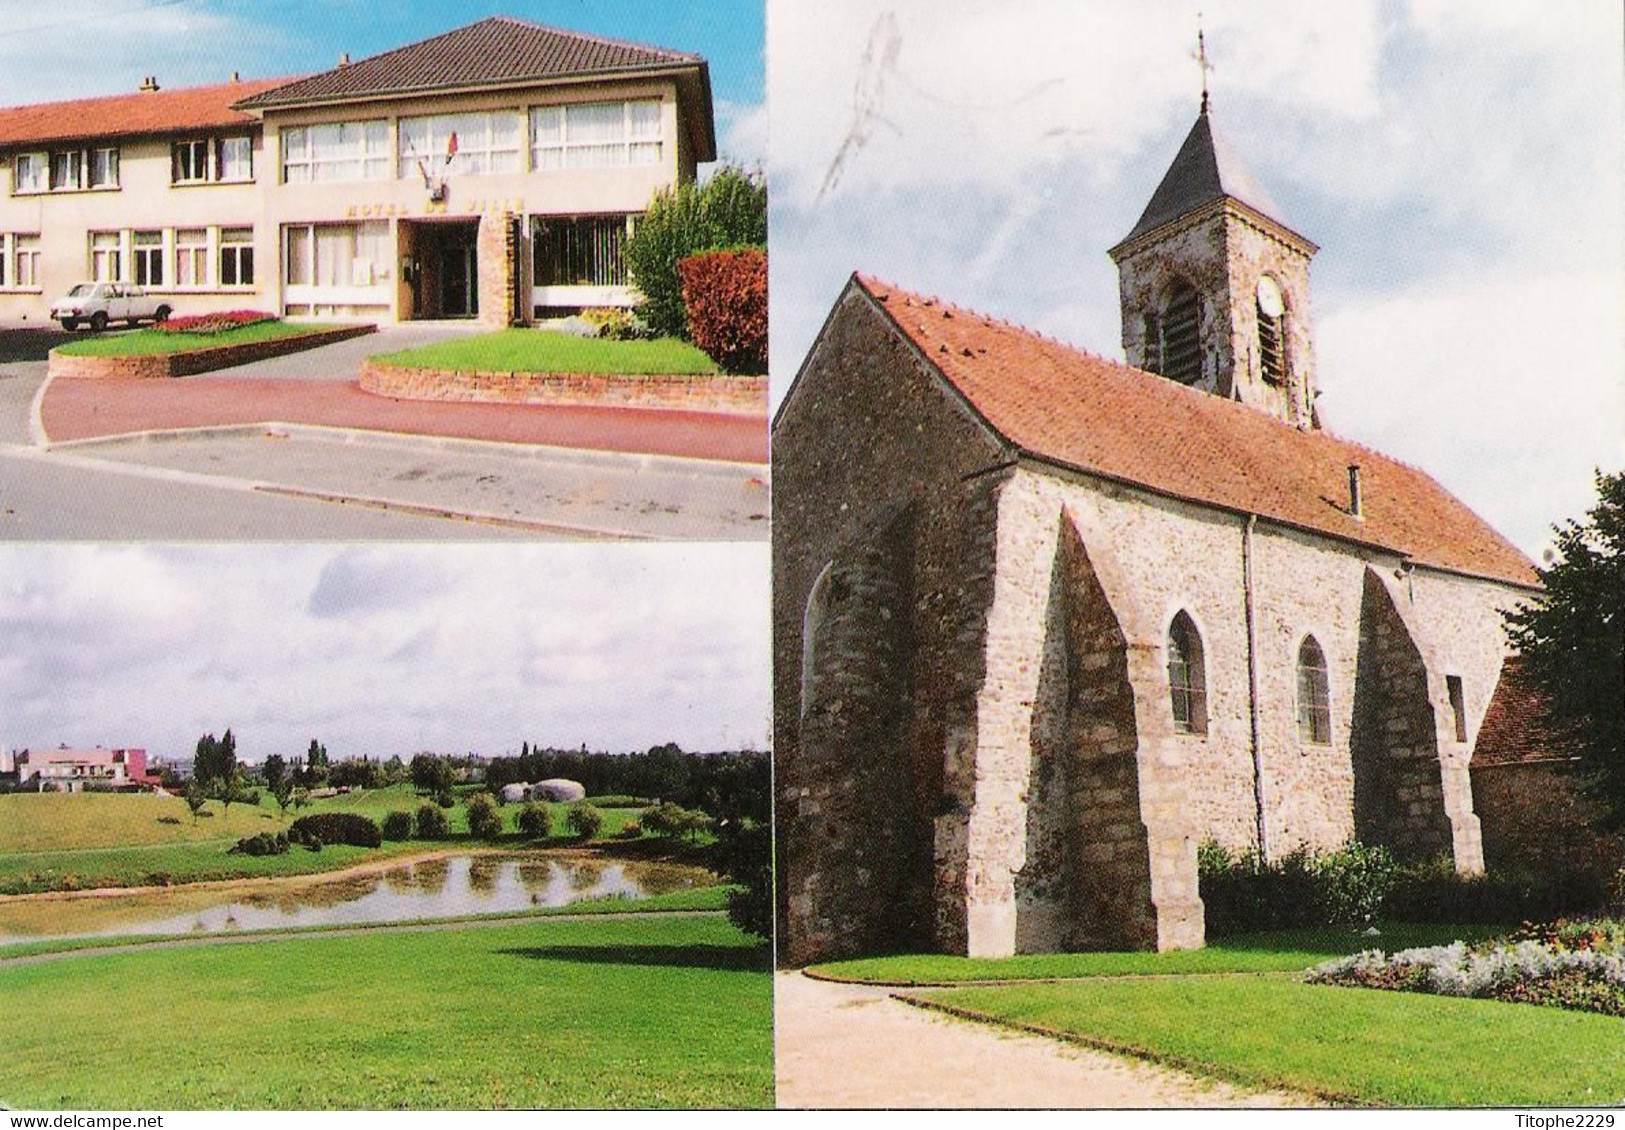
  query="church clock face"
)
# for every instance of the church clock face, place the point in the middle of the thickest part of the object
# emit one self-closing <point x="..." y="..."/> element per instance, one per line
<point x="1269" y="298"/>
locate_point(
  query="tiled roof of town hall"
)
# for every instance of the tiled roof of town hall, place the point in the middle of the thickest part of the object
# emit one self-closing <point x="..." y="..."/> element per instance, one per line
<point x="1063" y="405"/>
<point x="495" y="50"/>
<point x="144" y="113"/>
<point x="1514" y="729"/>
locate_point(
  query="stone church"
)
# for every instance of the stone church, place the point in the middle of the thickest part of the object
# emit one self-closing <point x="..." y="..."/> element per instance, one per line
<point x="1044" y="622"/>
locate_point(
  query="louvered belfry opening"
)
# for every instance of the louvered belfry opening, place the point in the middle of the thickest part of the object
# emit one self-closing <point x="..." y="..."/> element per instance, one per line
<point x="1271" y="348"/>
<point x="1181" y="337"/>
<point x="1153" y="344"/>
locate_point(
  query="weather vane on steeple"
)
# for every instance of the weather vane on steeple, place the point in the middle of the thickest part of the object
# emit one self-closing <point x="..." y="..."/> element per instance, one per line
<point x="1200" y="55"/>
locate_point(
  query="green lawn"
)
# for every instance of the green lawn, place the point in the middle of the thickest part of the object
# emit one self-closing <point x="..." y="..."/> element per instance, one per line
<point x="51" y="841"/>
<point x="673" y="1012"/>
<point x="1280" y="951"/>
<point x="545" y="351"/>
<point x="1366" y="1046"/>
<point x="149" y="341"/>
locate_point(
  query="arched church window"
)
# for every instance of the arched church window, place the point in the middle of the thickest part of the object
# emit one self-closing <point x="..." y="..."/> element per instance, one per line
<point x="1187" y="682"/>
<point x="1314" y="696"/>
<point x="1271" y="331"/>
<point x="1181" y="335"/>
<point x="812" y="628"/>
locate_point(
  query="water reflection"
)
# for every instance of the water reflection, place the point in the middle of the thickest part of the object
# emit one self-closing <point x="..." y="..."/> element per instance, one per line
<point x="437" y="888"/>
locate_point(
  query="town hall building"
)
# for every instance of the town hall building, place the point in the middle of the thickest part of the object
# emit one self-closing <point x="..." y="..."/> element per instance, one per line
<point x="490" y="172"/>
<point x="1045" y="622"/>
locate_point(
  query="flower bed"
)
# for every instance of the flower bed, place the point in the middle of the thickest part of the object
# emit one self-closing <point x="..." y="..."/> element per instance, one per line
<point x="1576" y="965"/>
<point x="214" y="323"/>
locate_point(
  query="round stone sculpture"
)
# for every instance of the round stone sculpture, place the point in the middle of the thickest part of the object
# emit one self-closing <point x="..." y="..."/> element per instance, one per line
<point x="557" y="788"/>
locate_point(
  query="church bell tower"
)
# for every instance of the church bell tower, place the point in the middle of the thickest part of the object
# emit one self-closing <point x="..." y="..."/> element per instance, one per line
<point x="1215" y="287"/>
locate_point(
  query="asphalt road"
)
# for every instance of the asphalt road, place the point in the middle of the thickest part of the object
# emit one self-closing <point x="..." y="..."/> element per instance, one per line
<point x="335" y="486"/>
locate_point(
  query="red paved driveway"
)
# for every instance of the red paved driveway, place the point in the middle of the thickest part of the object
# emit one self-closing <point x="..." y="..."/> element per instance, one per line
<point x="82" y="409"/>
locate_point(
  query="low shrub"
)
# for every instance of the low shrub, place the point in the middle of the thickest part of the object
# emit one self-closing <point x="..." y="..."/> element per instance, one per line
<point x="157" y="879"/>
<point x="398" y="825"/>
<point x="618" y="800"/>
<point x="630" y="831"/>
<point x="314" y="843"/>
<point x="1243" y="892"/>
<point x="535" y="820"/>
<point x="336" y="828"/>
<point x="431" y="822"/>
<point x="616" y="324"/>
<point x="262" y="843"/>
<point x="214" y="323"/>
<point x="583" y="820"/>
<point x="671" y="820"/>
<point x="169" y="819"/>
<point x="484" y="821"/>
<point x="445" y="799"/>
<point x="725" y="302"/>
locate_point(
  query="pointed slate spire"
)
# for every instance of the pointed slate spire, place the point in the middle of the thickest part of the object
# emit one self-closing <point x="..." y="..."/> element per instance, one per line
<point x="1206" y="168"/>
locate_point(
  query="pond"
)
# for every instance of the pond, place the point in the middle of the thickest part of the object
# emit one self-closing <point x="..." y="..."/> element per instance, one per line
<point x="437" y="888"/>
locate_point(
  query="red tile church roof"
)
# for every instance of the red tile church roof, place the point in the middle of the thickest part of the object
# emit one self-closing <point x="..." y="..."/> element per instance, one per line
<point x="143" y="114"/>
<point x="1514" y="728"/>
<point x="1066" y="406"/>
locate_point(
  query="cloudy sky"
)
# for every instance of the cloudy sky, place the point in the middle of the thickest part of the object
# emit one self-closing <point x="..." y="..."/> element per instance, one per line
<point x="385" y="650"/>
<point x="80" y="48"/>
<point x="1458" y="161"/>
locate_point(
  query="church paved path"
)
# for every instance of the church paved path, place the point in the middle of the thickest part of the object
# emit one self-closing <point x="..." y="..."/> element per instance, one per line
<point x="85" y="408"/>
<point x="854" y="1046"/>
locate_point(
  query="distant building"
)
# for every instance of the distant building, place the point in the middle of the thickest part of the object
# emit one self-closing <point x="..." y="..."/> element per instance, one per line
<point x="70" y="770"/>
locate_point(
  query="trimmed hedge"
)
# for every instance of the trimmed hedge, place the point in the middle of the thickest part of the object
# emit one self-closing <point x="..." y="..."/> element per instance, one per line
<point x="335" y="828"/>
<point x="725" y="303"/>
<point x="398" y="825"/>
<point x="263" y="843"/>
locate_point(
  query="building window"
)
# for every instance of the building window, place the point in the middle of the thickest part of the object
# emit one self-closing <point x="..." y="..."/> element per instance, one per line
<point x="1180" y="351"/>
<point x="191" y="162"/>
<point x="580" y="251"/>
<point x="339" y="255"/>
<point x="27" y="248"/>
<point x="1187" y="682"/>
<point x="1458" y="706"/>
<point x="104" y="168"/>
<point x="593" y="135"/>
<point x="191" y="257"/>
<point x="336" y="151"/>
<point x="1314" y="694"/>
<point x="460" y="144"/>
<point x="234" y="159"/>
<point x="149" y="258"/>
<point x="236" y="256"/>
<point x="67" y="170"/>
<point x="29" y="172"/>
<point x="104" y="256"/>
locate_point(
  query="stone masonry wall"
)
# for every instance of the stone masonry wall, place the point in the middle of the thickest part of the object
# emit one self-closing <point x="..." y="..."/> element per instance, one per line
<point x="1398" y="789"/>
<point x="866" y="431"/>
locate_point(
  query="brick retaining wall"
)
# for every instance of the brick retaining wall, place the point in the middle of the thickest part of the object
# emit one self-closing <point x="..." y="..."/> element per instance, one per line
<point x="731" y="395"/>
<point x="197" y="360"/>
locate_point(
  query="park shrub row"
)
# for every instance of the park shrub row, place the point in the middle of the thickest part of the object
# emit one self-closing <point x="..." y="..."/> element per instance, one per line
<point x="1358" y="884"/>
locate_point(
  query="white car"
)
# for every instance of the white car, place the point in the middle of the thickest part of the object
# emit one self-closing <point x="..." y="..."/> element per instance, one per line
<point x="98" y="303"/>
